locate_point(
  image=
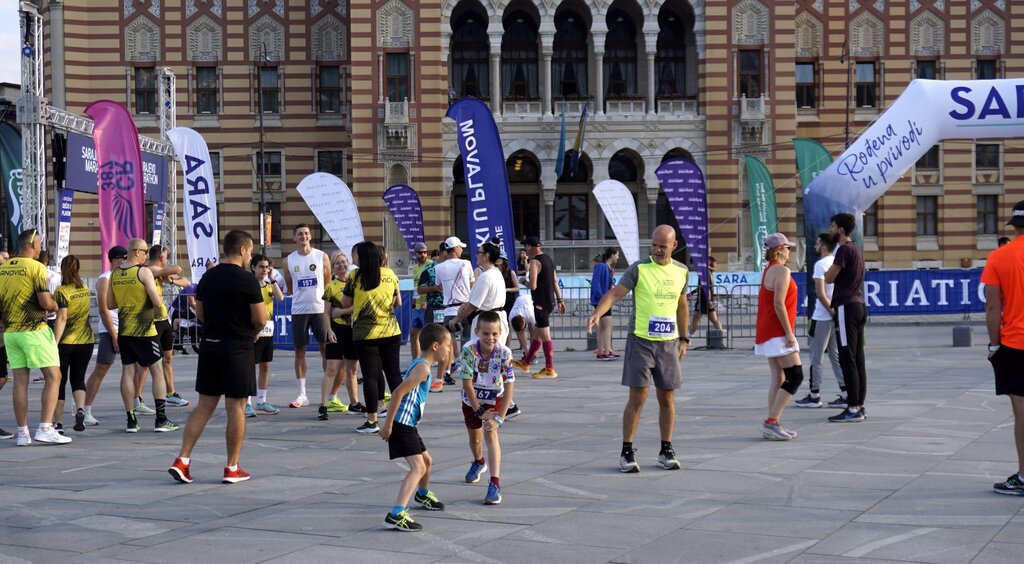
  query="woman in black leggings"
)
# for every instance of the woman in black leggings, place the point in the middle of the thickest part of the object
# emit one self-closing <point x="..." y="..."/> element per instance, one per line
<point x="75" y="341"/>
<point x="372" y="293"/>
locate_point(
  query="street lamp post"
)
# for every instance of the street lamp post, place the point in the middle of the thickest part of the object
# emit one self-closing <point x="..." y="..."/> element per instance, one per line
<point x="846" y="129"/>
<point x="262" y="155"/>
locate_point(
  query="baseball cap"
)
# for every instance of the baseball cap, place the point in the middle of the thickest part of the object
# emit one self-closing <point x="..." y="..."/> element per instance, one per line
<point x="1017" y="216"/>
<point x="452" y="242"/>
<point x="777" y="240"/>
<point x="532" y="241"/>
<point x="419" y="247"/>
<point x="117" y="252"/>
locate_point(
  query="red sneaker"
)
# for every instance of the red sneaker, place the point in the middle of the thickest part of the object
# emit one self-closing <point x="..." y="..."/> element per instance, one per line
<point x="238" y="475"/>
<point x="179" y="471"/>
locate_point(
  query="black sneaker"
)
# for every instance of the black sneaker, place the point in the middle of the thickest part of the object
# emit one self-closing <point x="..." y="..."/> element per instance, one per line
<point x="448" y="380"/>
<point x="429" y="501"/>
<point x="356" y="408"/>
<point x="808" y="401"/>
<point x="367" y="428"/>
<point x="627" y="462"/>
<point x="1012" y="486"/>
<point x="59" y="427"/>
<point x="321" y="413"/>
<point x="847" y="416"/>
<point x="513" y="411"/>
<point x="838" y="403"/>
<point x="402" y="522"/>
<point x="6" y="435"/>
<point x="79" y="420"/>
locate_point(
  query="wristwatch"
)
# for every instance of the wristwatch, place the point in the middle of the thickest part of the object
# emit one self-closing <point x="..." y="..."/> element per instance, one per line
<point x="993" y="348"/>
<point x="685" y="340"/>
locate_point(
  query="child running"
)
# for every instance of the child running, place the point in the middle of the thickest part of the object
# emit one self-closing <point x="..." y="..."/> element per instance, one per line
<point x="487" y="382"/>
<point x="399" y="429"/>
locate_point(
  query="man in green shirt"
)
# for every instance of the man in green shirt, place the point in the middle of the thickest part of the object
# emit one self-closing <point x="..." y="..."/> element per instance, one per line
<point x="419" y="306"/>
<point x="655" y="345"/>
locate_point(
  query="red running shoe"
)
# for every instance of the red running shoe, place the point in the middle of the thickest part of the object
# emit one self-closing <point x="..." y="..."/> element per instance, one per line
<point x="238" y="475"/>
<point x="179" y="471"/>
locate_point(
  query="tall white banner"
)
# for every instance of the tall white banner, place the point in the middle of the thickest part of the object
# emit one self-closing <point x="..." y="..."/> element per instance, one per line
<point x="200" y="210"/>
<point x="619" y="208"/>
<point x="927" y="112"/>
<point x="332" y="203"/>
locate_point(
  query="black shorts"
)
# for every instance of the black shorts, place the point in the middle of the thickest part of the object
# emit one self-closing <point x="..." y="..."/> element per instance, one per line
<point x="543" y="315"/>
<point x="225" y="369"/>
<point x="703" y="306"/>
<point x="144" y="351"/>
<point x="302" y="323"/>
<point x="344" y="349"/>
<point x="263" y="349"/>
<point x="1006" y="363"/>
<point x="165" y="335"/>
<point x="3" y="361"/>
<point x="606" y="314"/>
<point x="404" y="441"/>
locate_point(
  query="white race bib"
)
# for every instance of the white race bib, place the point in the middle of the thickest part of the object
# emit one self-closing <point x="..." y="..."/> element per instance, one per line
<point x="268" y="330"/>
<point x="439" y="316"/>
<point x="661" y="327"/>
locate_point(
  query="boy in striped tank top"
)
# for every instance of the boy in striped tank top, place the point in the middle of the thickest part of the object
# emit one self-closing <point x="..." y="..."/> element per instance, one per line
<point x="399" y="430"/>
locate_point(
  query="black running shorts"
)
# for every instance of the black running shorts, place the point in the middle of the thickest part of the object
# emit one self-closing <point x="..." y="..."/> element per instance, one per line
<point x="144" y="351"/>
<point x="165" y="335"/>
<point x="404" y="441"/>
<point x="226" y="369"/>
<point x="263" y="349"/>
<point x="1006" y="363"/>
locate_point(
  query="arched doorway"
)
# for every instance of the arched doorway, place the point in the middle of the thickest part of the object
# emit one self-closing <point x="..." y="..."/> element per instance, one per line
<point x="524" y="185"/>
<point x="469" y="72"/>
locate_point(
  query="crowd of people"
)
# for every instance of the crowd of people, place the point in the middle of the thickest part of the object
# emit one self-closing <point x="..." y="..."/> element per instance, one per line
<point x="462" y="326"/>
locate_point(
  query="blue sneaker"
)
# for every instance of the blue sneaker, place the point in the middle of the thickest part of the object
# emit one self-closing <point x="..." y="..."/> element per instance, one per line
<point x="493" y="495"/>
<point x="249" y="411"/>
<point x="267" y="409"/>
<point x="475" y="469"/>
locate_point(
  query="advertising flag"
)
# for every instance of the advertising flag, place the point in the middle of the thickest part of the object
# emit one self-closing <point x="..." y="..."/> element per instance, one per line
<point x="683" y="184"/>
<point x="119" y="168"/>
<point x="763" y="215"/>
<point x="332" y="203"/>
<point x="811" y="159"/>
<point x="10" y="169"/>
<point x="619" y="209"/>
<point x="577" y="147"/>
<point x="199" y="211"/>
<point x="489" y="203"/>
<point x="404" y="205"/>
<point x="560" y="157"/>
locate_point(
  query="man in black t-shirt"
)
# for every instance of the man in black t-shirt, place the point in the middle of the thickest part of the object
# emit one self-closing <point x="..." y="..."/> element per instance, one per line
<point x="230" y="305"/>
<point x="847" y="273"/>
<point x="543" y="285"/>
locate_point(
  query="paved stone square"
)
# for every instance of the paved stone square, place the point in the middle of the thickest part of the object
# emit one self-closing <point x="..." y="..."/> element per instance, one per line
<point x="910" y="484"/>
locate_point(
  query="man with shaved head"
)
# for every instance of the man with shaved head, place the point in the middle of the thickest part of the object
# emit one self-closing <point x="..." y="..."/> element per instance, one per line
<point x="656" y="341"/>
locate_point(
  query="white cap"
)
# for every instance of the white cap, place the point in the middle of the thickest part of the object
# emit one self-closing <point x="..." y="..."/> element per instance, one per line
<point x="452" y="242"/>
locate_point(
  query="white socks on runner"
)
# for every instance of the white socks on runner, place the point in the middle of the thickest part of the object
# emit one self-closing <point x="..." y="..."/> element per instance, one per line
<point x="302" y="385"/>
<point x="261" y="396"/>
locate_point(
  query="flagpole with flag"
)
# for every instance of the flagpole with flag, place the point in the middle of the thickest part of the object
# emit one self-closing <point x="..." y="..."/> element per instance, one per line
<point x="581" y="133"/>
<point x="560" y="158"/>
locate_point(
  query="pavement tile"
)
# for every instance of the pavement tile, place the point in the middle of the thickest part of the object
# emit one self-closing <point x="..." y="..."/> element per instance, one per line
<point x="904" y="543"/>
<point x="797" y="522"/>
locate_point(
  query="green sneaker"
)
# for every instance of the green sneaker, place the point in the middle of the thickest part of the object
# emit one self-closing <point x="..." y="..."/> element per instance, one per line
<point x="165" y="426"/>
<point x="335" y="406"/>
<point x="429" y="501"/>
<point x="402" y="522"/>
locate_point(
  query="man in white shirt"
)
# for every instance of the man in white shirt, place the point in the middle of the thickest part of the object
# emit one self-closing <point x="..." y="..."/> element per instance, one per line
<point x="822" y="330"/>
<point x="488" y="294"/>
<point x="455" y="276"/>
<point x="307" y="274"/>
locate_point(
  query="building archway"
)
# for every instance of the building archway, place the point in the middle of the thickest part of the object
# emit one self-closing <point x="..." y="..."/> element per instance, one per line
<point x="469" y="71"/>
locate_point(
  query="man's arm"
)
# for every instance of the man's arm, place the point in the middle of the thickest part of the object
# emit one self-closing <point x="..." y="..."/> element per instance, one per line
<point x="993" y="313"/>
<point x="615" y="294"/>
<point x="60" y="324"/>
<point x="326" y="262"/>
<point x="534" y="272"/>
<point x="102" y="287"/>
<point x="200" y="312"/>
<point x="259" y="318"/>
<point x="819" y="289"/>
<point x="833" y="272"/>
<point x="682" y="321"/>
<point x="165" y="271"/>
<point x="146" y="277"/>
<point x="111" y="298"/>
<point x="287" y="281"/>
<point x="558" y="293"/>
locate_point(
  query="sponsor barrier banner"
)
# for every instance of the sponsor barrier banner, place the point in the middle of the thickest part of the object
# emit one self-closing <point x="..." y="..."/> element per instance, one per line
<point x="489" y="203"/>
<point x="119" y="171"/>
<point x="683" y="184"/>
<point x="81" y="169"/>
<point x="158" y="224"/>
<point x="200" y="210"/>
<point x="332" y="203"/>
<point x="67" y="202"/>
<point x="404" y="205"/>
<point x="10" y="169"/>
<point x="763" y="215"/>
<point x="620" y="210"/>
<point x="927" y="112"/>
<point x="282" y="318"/>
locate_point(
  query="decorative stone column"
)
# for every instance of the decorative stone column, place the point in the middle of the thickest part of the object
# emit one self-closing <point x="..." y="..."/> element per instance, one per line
<point x="598" y="32"/>
<point x="651" y="46"/>
<point x="495" y="72"/>
<point x="547" y="41"/>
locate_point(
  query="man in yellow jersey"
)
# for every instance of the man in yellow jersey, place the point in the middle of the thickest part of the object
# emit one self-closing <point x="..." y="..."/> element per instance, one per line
<point x="134" y="294"/>
<point x="656" y="343"/>
<point x="24" y="300"/>
<point x="165" y="274"/>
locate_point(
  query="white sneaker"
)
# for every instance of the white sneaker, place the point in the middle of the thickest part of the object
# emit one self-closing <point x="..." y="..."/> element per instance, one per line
<point x="143" y="409"/>
<point x="300" y="401"/>
<point x="90" y="421"/>
<point x="51" y="436"/>
<point x="24" y="439"/>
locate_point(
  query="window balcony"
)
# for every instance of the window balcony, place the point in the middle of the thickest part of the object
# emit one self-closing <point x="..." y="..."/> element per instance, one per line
<point x="521" y="108"/>
<point x="572" y="107"/>
<point x="396" y="113"/>
<point x="678" y="106"/>
<point x="625" y="107"/>
<point x="752" y="109"/>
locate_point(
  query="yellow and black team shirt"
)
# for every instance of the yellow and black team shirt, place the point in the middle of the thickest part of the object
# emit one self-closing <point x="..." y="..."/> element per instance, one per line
<point x="333" y="293"/>
<point x="78" y="329"/>
<point x="161" y="309"/>
<point x="21" y="278"/>
<point x="373" y="317"/>
<point x="134" y="308"/>
<point x="267" y="291"/>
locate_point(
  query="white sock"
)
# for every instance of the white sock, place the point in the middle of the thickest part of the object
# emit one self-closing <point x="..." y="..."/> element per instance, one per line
<point x="233" y="468"/>
<point x="45" y="426"/>
<point x="248" y="401"/>
<point x="138" y="401"/>
<point x="185" y="460"/>
<point x="88" y="409"/>
<point x="23" y="430"/>
<point x="261" y="396"/>
<point x="302" y="386"/>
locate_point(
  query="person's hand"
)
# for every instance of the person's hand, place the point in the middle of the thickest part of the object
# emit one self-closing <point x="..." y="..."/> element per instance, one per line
<point x="491" y="425"/>
<point x="385" y="432"/>
<point x="791" y="341"/>
<point x="113" y="337"/>
<point x="682" y="349"/>
<point x="561" y="306"/>
<point x="591" y="323"/>
<point x="331" y="337"/>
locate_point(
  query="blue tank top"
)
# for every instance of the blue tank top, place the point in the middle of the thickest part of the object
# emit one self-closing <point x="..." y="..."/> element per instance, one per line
<point x="410" y="410"/>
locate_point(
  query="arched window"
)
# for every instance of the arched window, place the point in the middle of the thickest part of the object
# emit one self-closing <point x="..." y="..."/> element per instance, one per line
<point x="519" y="57"/>
<point x="620" y="56"/>
<point x="524" y="180"/>
<point x="623" y="167"/>
<point x="670" y="60"/>
<point x="569" y="58"/>
<point x="469" y="70"/>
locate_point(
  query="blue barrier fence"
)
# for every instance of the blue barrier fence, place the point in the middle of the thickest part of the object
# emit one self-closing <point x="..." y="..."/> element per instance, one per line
<point x="283" y="325"/>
